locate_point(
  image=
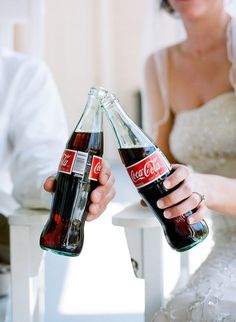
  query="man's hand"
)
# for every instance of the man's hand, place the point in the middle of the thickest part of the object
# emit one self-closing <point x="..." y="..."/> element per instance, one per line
<point x="100" y="197"/>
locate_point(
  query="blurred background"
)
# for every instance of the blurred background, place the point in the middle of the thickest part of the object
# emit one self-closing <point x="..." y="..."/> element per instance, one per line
<point x="89" y="43"/>
<point x="85" y="43"/>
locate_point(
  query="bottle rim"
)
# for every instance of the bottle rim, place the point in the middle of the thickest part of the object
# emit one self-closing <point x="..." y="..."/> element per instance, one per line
<point x="98" y="91"/>
<point x="108" y="99"/>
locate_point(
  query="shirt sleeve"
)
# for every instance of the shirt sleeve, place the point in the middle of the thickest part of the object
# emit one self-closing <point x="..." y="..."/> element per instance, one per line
<point x="37" y="133"/>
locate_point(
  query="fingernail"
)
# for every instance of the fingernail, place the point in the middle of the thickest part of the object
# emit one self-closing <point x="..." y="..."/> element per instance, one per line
<point x="105" y="178"/>
<point x="51" y="180"/>
<point x="51" y="177"/>
<point x="191" y="220"/>
<point x="189" y="213"/>
<point x="160" y="204"/>
<point x="167" y="214"/>
<point x="98" y="196"/>
<point x="167" y="184"/>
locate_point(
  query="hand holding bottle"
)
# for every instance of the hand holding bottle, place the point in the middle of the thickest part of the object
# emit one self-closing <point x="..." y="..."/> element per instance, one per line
<point x="100" y="197"/>
<point x="189" y="194"/>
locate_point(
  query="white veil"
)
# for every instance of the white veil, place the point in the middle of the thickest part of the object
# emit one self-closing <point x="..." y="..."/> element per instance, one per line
<point x="230" y="6"/>
<point x="161" y="30"/>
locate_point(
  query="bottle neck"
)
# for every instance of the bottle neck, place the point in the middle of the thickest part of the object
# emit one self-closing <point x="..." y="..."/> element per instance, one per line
<point x="92" y="117"/>
<point x="127" y="133"/>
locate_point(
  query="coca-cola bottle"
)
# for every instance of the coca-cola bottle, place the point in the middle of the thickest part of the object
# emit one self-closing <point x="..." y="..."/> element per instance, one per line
<point x="148" y="168"/>
<point x="76" y="178"/>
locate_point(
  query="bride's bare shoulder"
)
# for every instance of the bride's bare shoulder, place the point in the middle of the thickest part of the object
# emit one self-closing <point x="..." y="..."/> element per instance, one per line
<point x="176" y="48"/>
<point x="163" y="52"/>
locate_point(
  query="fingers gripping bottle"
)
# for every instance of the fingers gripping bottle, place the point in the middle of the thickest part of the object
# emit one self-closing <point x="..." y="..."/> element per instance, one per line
<point x="148" y="168"/>
<point x="76" y="178"/>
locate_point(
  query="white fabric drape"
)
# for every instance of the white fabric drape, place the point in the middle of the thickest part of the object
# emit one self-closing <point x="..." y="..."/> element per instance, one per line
<point x="162" y="29"/>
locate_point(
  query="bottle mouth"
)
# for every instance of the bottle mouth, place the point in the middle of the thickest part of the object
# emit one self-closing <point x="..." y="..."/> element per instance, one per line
<point x="98" y="92"/>
<point x="105" y="98"/>
<point x="108" y="100"/>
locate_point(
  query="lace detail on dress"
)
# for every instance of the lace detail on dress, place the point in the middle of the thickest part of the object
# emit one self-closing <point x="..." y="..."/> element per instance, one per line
<point x="210" y="293"/>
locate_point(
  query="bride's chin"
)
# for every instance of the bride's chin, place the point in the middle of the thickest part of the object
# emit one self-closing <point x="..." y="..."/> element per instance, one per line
<point x="190" y="9"/>
<point x="192" y="13"/>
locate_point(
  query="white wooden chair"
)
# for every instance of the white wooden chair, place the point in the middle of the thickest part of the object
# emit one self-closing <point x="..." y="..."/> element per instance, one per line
<point x="144" y="237"/>
<point x="27" y="278"/>
<point x="27" y="264"/>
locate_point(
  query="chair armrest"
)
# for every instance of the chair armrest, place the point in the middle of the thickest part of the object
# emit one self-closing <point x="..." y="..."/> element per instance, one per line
<point x="135" y="216"/>
<point x="138" y="222"/>
<point x="28" y="217"/>
<point x="144" y="238"/>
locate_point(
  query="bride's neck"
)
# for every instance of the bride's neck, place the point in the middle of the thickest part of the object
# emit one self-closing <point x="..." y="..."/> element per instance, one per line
<point x="205" y="34"/>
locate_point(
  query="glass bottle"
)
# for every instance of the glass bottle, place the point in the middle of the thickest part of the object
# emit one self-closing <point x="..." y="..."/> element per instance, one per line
<point x="148" y="168"/>
<point x="76" y="178"/>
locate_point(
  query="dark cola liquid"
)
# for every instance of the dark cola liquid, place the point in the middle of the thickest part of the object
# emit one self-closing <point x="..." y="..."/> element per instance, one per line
<point x="64" y="231"/>
<point x="179" y="234"/>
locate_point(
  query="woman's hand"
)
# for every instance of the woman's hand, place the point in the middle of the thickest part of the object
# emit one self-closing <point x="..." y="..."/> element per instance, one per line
<point x="100" y="197"/>
<point x="186" y="197"/>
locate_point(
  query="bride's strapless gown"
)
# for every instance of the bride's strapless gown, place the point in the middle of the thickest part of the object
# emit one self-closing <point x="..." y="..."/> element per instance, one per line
<point x="205" y="138"/>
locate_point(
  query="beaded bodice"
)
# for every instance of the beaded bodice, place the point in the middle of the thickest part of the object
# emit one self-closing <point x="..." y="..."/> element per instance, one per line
<point x="205" y="138"/>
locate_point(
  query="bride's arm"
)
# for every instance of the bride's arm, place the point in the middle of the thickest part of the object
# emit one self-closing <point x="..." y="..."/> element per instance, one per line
<point x="220" y="192"/>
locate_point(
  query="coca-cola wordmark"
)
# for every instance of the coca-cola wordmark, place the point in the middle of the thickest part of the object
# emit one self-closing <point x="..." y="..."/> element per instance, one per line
<point x="67" y="161"/>
<point x="149" y="169"/>
<point x="95" y="168"/>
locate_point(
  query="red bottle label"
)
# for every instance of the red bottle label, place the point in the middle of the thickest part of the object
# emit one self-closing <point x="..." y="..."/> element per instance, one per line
<point x="95" y="168"/>
<point x="67" y="161"/>
<point x="149" y="169"/>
